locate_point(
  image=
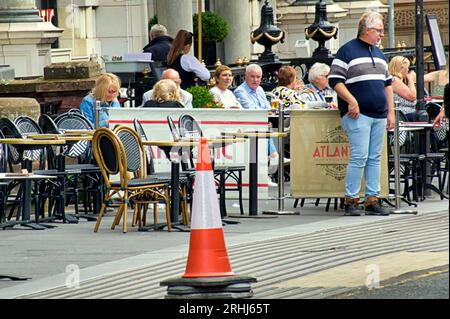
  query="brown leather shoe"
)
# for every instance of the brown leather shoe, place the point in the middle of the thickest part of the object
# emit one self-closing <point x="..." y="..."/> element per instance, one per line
<point x="372" y="206"/>
<point x="351" y="207"/>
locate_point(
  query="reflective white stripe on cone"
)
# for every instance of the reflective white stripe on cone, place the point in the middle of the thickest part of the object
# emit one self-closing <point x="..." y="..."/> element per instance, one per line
<point x="208" y="255"/>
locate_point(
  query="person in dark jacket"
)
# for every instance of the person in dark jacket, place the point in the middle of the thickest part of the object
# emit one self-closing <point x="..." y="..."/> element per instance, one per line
<point x="160" y="43"/>
<point x="184" y="63"/>
<point x="165" y="94"/>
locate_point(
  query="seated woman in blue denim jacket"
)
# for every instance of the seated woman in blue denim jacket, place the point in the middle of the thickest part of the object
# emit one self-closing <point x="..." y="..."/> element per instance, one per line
<point x="106" y="91"/>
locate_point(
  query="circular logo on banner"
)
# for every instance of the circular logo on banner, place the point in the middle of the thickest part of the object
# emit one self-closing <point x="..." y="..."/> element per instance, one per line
<point x="332" y="153"/>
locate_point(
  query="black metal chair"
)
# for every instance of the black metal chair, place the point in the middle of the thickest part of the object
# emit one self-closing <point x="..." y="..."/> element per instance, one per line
<point x="85" y="171"/>
<point x="123" y="154"/>
<point x="173" y="129"/>
<point x="410" y="162"/>
<point x="188" y="127"/>
<point x="24" y="155"/>
<point x="438" y="154"/>
<point x="4" y="184"/>
<point x="51" y="189"/>
<point x="186" y="178"/>
<point x="27" y="126"/>
<point x="15" y="157"/>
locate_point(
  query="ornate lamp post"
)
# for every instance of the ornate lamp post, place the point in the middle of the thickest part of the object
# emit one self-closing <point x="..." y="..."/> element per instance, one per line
<point x="321" y="30"/>
<point x="267" y="34"/>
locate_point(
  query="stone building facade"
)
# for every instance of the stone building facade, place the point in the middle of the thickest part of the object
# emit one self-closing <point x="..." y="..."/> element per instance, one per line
<point x="93" y="28"/>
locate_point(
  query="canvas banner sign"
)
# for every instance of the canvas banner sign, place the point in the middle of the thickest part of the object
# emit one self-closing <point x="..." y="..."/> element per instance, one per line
<point x="320" y="153"/>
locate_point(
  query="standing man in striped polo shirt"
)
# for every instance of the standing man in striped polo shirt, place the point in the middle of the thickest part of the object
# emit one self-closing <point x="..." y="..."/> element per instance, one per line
<point x="359" y="74"/>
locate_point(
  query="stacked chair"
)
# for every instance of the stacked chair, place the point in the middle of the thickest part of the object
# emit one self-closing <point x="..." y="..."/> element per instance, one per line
<point x="188" y="127"/>
<point x="24" y="156"/>
<point x="85" y="171"/>
<point x="410" y="163"/>
<point x="5" y="184"/>
<point x="438" y="154"/>
<point x="186" y="178"/>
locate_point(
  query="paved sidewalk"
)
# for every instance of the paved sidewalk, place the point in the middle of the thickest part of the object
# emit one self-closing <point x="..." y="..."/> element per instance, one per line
<point x="49" y="257"/>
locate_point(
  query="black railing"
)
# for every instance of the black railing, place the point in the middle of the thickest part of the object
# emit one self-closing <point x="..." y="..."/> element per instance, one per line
<point x="302" y="65"/>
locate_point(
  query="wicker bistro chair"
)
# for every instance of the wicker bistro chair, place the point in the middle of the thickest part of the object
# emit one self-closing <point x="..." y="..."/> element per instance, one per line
<point x="186" y="178"/>
<point x="123" y="154"/>
<point x="188" y="127"/>
<point x="127" y="136"/>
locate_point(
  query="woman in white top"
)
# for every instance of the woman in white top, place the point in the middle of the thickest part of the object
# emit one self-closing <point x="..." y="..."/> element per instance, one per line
<point x="224" y="79"/>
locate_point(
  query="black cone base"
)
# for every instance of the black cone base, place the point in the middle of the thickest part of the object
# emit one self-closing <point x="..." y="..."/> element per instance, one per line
<point x="232" y="287"/>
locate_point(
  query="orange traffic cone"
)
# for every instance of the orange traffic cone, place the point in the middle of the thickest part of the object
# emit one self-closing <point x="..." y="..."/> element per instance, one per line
<point x="207" y="251"/>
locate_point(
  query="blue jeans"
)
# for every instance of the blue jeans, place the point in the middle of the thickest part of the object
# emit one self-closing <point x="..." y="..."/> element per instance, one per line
<point x="271" y="147"/>
<point x="365" y="136"/>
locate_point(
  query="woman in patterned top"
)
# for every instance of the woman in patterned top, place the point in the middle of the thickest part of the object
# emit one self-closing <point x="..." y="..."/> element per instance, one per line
<point x="288" y="88"/>
<point x="439" y="79"/>
<point x="403" y="85"/>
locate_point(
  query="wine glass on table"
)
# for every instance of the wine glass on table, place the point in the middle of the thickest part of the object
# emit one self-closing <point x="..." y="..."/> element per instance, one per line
<point x="329" y="98"/>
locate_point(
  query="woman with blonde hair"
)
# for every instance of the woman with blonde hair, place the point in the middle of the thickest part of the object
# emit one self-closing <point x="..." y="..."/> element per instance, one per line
<point x="403" y="84"/>
<point x="223" y="79"/>
<point x="187" y="65"/>
<point x="165" y="94"/>
<point x="106" y="90"/>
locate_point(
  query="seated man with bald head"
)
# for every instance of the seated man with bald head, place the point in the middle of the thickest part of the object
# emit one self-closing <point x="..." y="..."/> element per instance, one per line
<point x="171" y="74"/>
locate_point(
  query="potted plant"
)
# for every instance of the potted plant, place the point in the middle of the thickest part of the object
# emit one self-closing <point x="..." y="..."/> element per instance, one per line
<point x="152" y="22"/>
<point x="214" y="30"/>
<point x="202" y="98"/>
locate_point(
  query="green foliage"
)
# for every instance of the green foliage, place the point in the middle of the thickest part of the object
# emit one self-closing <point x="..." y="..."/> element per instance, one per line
<point x="152" y="22"/>
<point x="202" y="98"/>
<point x="214" y="27"/>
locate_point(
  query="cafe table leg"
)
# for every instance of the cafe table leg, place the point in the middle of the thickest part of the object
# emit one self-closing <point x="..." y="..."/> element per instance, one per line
<point x="253" y="172"/>
<point x="175" y="194"/>
<point x="26" y="193"/>
<point x="174" y="198"/>
<point x="175" y="191"/>
<point x="26" y="203"/>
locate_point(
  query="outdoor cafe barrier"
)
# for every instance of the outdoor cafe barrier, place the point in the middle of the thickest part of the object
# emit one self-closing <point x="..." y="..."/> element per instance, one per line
<point x="214" y="122"/>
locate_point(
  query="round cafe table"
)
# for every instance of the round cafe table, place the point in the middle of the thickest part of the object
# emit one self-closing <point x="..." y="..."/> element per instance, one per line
<point x="253" y="165"/>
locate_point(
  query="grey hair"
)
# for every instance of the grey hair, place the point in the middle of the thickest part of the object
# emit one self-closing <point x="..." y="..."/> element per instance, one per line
<point x="253" y="68"/>
<point x="157" y="30"/>
<point x="317" y="70"/>
<point x="368" y="20"/>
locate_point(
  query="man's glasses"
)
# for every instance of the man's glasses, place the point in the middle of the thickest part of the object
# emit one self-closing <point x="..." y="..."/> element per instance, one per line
<point x="380" y="31"/>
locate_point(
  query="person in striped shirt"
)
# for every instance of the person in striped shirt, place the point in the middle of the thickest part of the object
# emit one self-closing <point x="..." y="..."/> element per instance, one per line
<point x="359" y="74"/>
